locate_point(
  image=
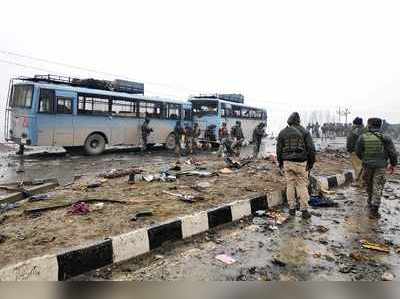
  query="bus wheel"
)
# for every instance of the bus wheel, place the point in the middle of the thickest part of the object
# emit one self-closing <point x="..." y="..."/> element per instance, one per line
<point x="95" y="144"/>
<point x="170" y="145"/>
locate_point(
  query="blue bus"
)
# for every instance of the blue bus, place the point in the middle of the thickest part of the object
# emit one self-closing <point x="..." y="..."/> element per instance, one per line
<point x="60" y="111"/>
<point x="210" y="111"/>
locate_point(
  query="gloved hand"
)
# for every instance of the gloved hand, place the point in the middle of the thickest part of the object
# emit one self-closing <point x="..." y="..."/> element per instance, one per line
<point x="391" y="169"/>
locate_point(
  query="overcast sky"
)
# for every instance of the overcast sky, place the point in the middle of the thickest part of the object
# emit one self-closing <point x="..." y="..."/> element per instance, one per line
<point x="282" y="55"/>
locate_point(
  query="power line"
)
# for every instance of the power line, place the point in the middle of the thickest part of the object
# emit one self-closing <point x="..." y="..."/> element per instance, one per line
<point x="91" y="70"/>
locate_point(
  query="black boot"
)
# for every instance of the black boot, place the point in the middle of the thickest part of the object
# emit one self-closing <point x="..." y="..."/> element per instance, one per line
<point x="374" y="212"/>
<point x="292" y="213"/>
<point x="305" y="214"/>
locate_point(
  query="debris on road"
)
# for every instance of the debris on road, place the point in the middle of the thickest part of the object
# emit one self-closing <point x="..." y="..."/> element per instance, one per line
<point x="387" y="276"/>
<point x="117" y="173"/>
<point x="226" y="259"/>
<point x="321" y="202"/>
<point x="226" y="171"/>
<point x="142" y="213"/>
<point x="79" y="208"/>
<point x="184" y="197"/>
<point x="39" y="197"/>
<point x="357" y="256"/>
<point x="278" y="262"/>
<point x="374" y="246"/>
<point x="277" y="217"/>
<point x="3" y="238"/>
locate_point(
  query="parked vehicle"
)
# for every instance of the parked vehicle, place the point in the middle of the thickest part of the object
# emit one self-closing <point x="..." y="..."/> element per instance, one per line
<point x="59" y="111"/>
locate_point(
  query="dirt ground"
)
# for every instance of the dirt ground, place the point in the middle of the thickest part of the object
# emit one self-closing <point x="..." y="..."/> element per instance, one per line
<point x="30" y="235"/>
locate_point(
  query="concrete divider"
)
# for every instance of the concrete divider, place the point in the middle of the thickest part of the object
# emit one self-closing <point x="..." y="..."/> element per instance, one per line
<point x="126" y="246"/>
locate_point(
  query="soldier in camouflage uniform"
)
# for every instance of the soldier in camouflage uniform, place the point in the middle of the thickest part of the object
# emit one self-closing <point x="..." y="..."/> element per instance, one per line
<point x="189" y="136"/>
<point x="258" y="135"/>
<point x="237" y="137"/>
<point x="178" y="132"/>
<point x="356" y="131"/>
<point x="146" y="131"/>
<point x="295" y="153"/>
<point x="196" y="135"/>
<point x="375" y="149"/>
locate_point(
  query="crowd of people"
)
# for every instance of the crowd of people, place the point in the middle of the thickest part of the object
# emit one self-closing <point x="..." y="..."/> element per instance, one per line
<point x="328" y="130"/>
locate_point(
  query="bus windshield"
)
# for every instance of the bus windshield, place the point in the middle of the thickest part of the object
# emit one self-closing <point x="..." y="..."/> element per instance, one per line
<point x="206" y="107"/>
<point x="22" y="96"/>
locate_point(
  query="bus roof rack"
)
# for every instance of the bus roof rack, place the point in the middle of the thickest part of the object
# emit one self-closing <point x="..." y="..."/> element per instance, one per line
<point x="230" y="97"/>
<point x="116" y="85"/>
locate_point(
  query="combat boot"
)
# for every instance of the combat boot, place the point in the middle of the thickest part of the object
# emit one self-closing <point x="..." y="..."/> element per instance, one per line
<point x="292" y="213"/>
<point x="305" y="214"/>
<point x="374" y="212"/>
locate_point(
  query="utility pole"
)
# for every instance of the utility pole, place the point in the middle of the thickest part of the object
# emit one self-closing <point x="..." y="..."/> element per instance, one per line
<point x="339" y="112"/>
<point x="346" y="113"/>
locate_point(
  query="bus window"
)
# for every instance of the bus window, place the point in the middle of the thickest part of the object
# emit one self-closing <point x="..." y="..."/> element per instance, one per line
<point x="173" y="111"/>
<point x="22" y="96"/>
<point x="93" y="105"/>
<point x="226" y="110"/>
<point x="64" y="105"/>
<point x="236" y="111"/>
<point x="188" y="114"/>
<point x="150" y="109"/>
<point x="46" y="100"/>
<point x="201" y="108"/>
<point x="122" y="107"/>
<point x="245" y="112"/>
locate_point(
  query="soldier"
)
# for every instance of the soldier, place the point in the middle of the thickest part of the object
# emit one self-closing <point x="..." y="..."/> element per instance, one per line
<point x="146" y="131"/>
<point x="295" y="152"/>
<point x="375" y="149"/>
<point x="223" y="138"/>
<point x="356" y="131"/>
<point x="258" y="135"/>
<point x="238" y="137"/>
<point x="189" y="136"/>
<point x="317" y="126"/>
<point x="178" y="131"/>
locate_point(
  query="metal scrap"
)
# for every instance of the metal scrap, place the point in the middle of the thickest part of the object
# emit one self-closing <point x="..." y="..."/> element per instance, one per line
<point x="374" y="246"/>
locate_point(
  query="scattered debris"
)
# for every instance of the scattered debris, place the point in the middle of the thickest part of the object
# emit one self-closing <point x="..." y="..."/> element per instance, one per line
<point x="261" y="213"/>
<point x="148" y="178"/>
<point x="201" y="186"/>
<point x="135" y="178"/>
<point x="38" y="197"/>
<point x="8" y="206"/>
<point x="142" y="213"/>
<point x="278" y="262"/>
<point x="357" y="256"/>
<point x="226" y="171"/>
<point x="374" y="246"/>
<point x="321" y="202"/>
<point x="185" y="198"/>
<point x="3" y="238"/>
<point x="226" y="259"/>
<point x="322" y="229"/>
<point x="79" y="208"/>
<point x="94" y="184"/>
<point x="117" y="173"/>
<point x="387" y="276"/>
<point x="277" y="217"/>
<point x="98" y="206"/>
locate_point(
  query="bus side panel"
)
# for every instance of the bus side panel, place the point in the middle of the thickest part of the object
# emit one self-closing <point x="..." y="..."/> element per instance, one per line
<point x="45" y="129"/>
<point x="63" y="125"/>
<point x="85" y="125"/>
<point x="132" y="135"/>
<point x="161" y="129"/>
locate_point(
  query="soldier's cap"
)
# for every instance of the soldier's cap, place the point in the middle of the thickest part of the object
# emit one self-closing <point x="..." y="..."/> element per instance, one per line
<point x="375" y="122"/>
<point x="294" y="119"/>
<point x="358" y="121"/>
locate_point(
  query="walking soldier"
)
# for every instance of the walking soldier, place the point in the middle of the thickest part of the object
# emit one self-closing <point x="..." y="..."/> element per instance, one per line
<point x="146" y="131"/>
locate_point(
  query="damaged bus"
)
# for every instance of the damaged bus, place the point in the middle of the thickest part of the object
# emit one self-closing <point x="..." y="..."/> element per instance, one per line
<point x="60" y="111"/>
<point x="210" y="111"/>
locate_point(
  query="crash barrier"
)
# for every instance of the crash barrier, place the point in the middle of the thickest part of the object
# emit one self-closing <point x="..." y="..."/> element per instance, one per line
<point x="117" y="249"/>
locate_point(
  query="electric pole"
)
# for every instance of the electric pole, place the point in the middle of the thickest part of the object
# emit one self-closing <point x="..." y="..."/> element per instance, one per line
<point x="346" y="113"/>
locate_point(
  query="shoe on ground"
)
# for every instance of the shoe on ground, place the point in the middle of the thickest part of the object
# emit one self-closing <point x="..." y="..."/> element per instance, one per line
<point x="305" y="214"/>
<point x="374" y="212"/>
<point x="292" y="212"/>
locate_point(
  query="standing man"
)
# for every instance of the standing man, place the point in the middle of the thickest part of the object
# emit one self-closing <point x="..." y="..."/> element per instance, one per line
<point x="223" y="137"/>
<point x="375" y="149"/>
<point x="196" y="135"/>
<point x="356" y="131"/>
<point x="178" y="131"/>
<point x="238" y="137"/>
<point x="295" y="152"/>
<point x="146" y="131"/>
<point x="189" y="138"/>
<point x="258" y="135"/>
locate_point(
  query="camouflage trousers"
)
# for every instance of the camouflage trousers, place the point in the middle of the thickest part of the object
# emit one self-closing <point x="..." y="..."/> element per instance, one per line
<point x="374" y="179"/>
<point x="296" y="177"/>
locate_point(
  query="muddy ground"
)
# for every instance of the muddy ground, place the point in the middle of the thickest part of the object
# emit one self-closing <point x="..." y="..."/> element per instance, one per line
<point x="326" y="248"/>
<point x="29" y="235"/>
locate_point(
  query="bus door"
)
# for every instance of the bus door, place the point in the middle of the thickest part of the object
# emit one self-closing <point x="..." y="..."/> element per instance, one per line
<point x="45" y="117"/>
<point x="65" y="104"/>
